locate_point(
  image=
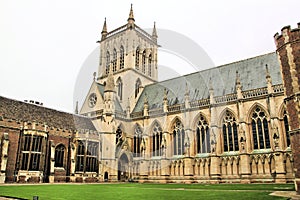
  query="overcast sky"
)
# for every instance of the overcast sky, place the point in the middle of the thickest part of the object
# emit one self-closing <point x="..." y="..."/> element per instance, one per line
<point x="45" y="43"/>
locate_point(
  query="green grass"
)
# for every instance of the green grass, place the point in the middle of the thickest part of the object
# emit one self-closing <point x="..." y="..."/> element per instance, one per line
<point x="145" y="191"/>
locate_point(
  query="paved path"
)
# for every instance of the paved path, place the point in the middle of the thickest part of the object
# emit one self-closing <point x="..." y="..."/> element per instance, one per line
<point x="288" y="194"/>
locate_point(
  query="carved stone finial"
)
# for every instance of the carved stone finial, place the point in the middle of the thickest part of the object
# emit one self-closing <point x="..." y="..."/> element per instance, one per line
<point x="146" y="99"/>
<point x="104" y="30"/>
<point x="165" y="94"/>
<point x="76" y="108"/>
<point x="187" y="91"/>
<point x="268" y="76"/>
<point x="210" y="84"/>
<point x="237" y="79"/>
<point x="94" y="76"/>
<point x="154" y="33"/>
<point x="130" y="19"/>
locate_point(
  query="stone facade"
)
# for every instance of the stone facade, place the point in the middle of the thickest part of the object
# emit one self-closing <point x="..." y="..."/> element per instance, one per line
<point x="228" y="124"/>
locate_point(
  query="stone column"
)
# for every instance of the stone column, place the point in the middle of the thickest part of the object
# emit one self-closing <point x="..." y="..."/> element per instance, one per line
<point x="52" y="161"/>
<point x="72" y="166"/>
<point x="279" y="167"/>
<point x="215" y="169"/>
<point x="144" y="170"/>
<point x="245" y="168"/>
<point x="188" y="169"/>
<point x="4" y="156"/>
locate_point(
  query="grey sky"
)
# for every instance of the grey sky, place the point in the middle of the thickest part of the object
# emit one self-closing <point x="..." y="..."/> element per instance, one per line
<point x="45" y="43"/>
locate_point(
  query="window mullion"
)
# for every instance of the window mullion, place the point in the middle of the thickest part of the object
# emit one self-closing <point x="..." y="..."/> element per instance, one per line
<point x="84" y="156"/>
<point x="232" y="137"/>
<point x="29" y="153"/>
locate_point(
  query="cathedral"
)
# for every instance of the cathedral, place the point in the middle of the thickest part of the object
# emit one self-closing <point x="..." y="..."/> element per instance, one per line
<point x="228" y="124"/>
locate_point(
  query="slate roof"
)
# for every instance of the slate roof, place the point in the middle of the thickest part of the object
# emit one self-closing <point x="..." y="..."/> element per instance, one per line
<point x="252" y="74"/>
<point x="18" y="110"/>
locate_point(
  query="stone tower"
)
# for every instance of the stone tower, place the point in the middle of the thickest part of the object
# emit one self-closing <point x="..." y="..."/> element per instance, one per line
<point x="288" y="51"/>
<point x="132" y="54"/>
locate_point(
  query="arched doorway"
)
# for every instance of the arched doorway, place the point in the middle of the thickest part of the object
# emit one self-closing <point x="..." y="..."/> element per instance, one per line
<point x="106" y="176"/>
<point x="123" y="168"/>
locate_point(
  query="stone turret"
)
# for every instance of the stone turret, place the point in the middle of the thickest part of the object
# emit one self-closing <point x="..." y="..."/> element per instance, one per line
<point x="288" y="51"/>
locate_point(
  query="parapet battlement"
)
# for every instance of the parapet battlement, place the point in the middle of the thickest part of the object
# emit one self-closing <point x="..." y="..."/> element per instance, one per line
<point x="288" y="35"/>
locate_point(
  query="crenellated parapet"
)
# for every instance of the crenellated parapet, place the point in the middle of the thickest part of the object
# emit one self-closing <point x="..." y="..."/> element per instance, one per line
<point x="287" y="36"/>
<point x="288" y="48"/>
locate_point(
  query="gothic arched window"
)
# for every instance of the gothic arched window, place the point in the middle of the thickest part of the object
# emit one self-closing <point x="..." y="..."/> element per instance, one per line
<point x="137" y="141"/>
<point x="120" y="88"/>
<point x="114" y="61"/>
<point x="202" y="136"/>
<point x="144" y="62"/>
<point x="260" y="129"/>
<point x="137" y="58"/>
<point x="156" y="139"/>
<point x="230" y="133"/>
<point x="137" y="87"/>
<point x="107" y="62"/>
<point x="121" y="57"/>
<point x="149" y="65"/>
<point x="286" y="128"/>
<point x="178" y="138"/>
<point x="59" y="155"/>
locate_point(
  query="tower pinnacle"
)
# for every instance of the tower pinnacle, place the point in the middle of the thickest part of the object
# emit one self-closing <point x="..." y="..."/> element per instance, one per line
<point x="130" y="19"/>
<point x="104" y="30"/>
<point x="154" y="33"/>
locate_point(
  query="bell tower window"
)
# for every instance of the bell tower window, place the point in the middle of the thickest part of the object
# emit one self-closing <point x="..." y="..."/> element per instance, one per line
<point x="107" y="62"/>
<point x="114" y="60"/>
<point x="149" y="65"/>
<point x="137" y="58"/>
<point x="137" y="87"/>
<point x="144" y="62"/>
<point x="120" y="88"/>
<point x="121" y="57"/>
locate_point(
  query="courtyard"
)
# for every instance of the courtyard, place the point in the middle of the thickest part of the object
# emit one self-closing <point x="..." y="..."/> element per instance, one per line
<point x="147" y="191"/>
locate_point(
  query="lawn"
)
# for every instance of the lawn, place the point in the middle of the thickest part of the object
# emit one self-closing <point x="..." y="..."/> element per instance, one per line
<point x="145" y="191"/>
